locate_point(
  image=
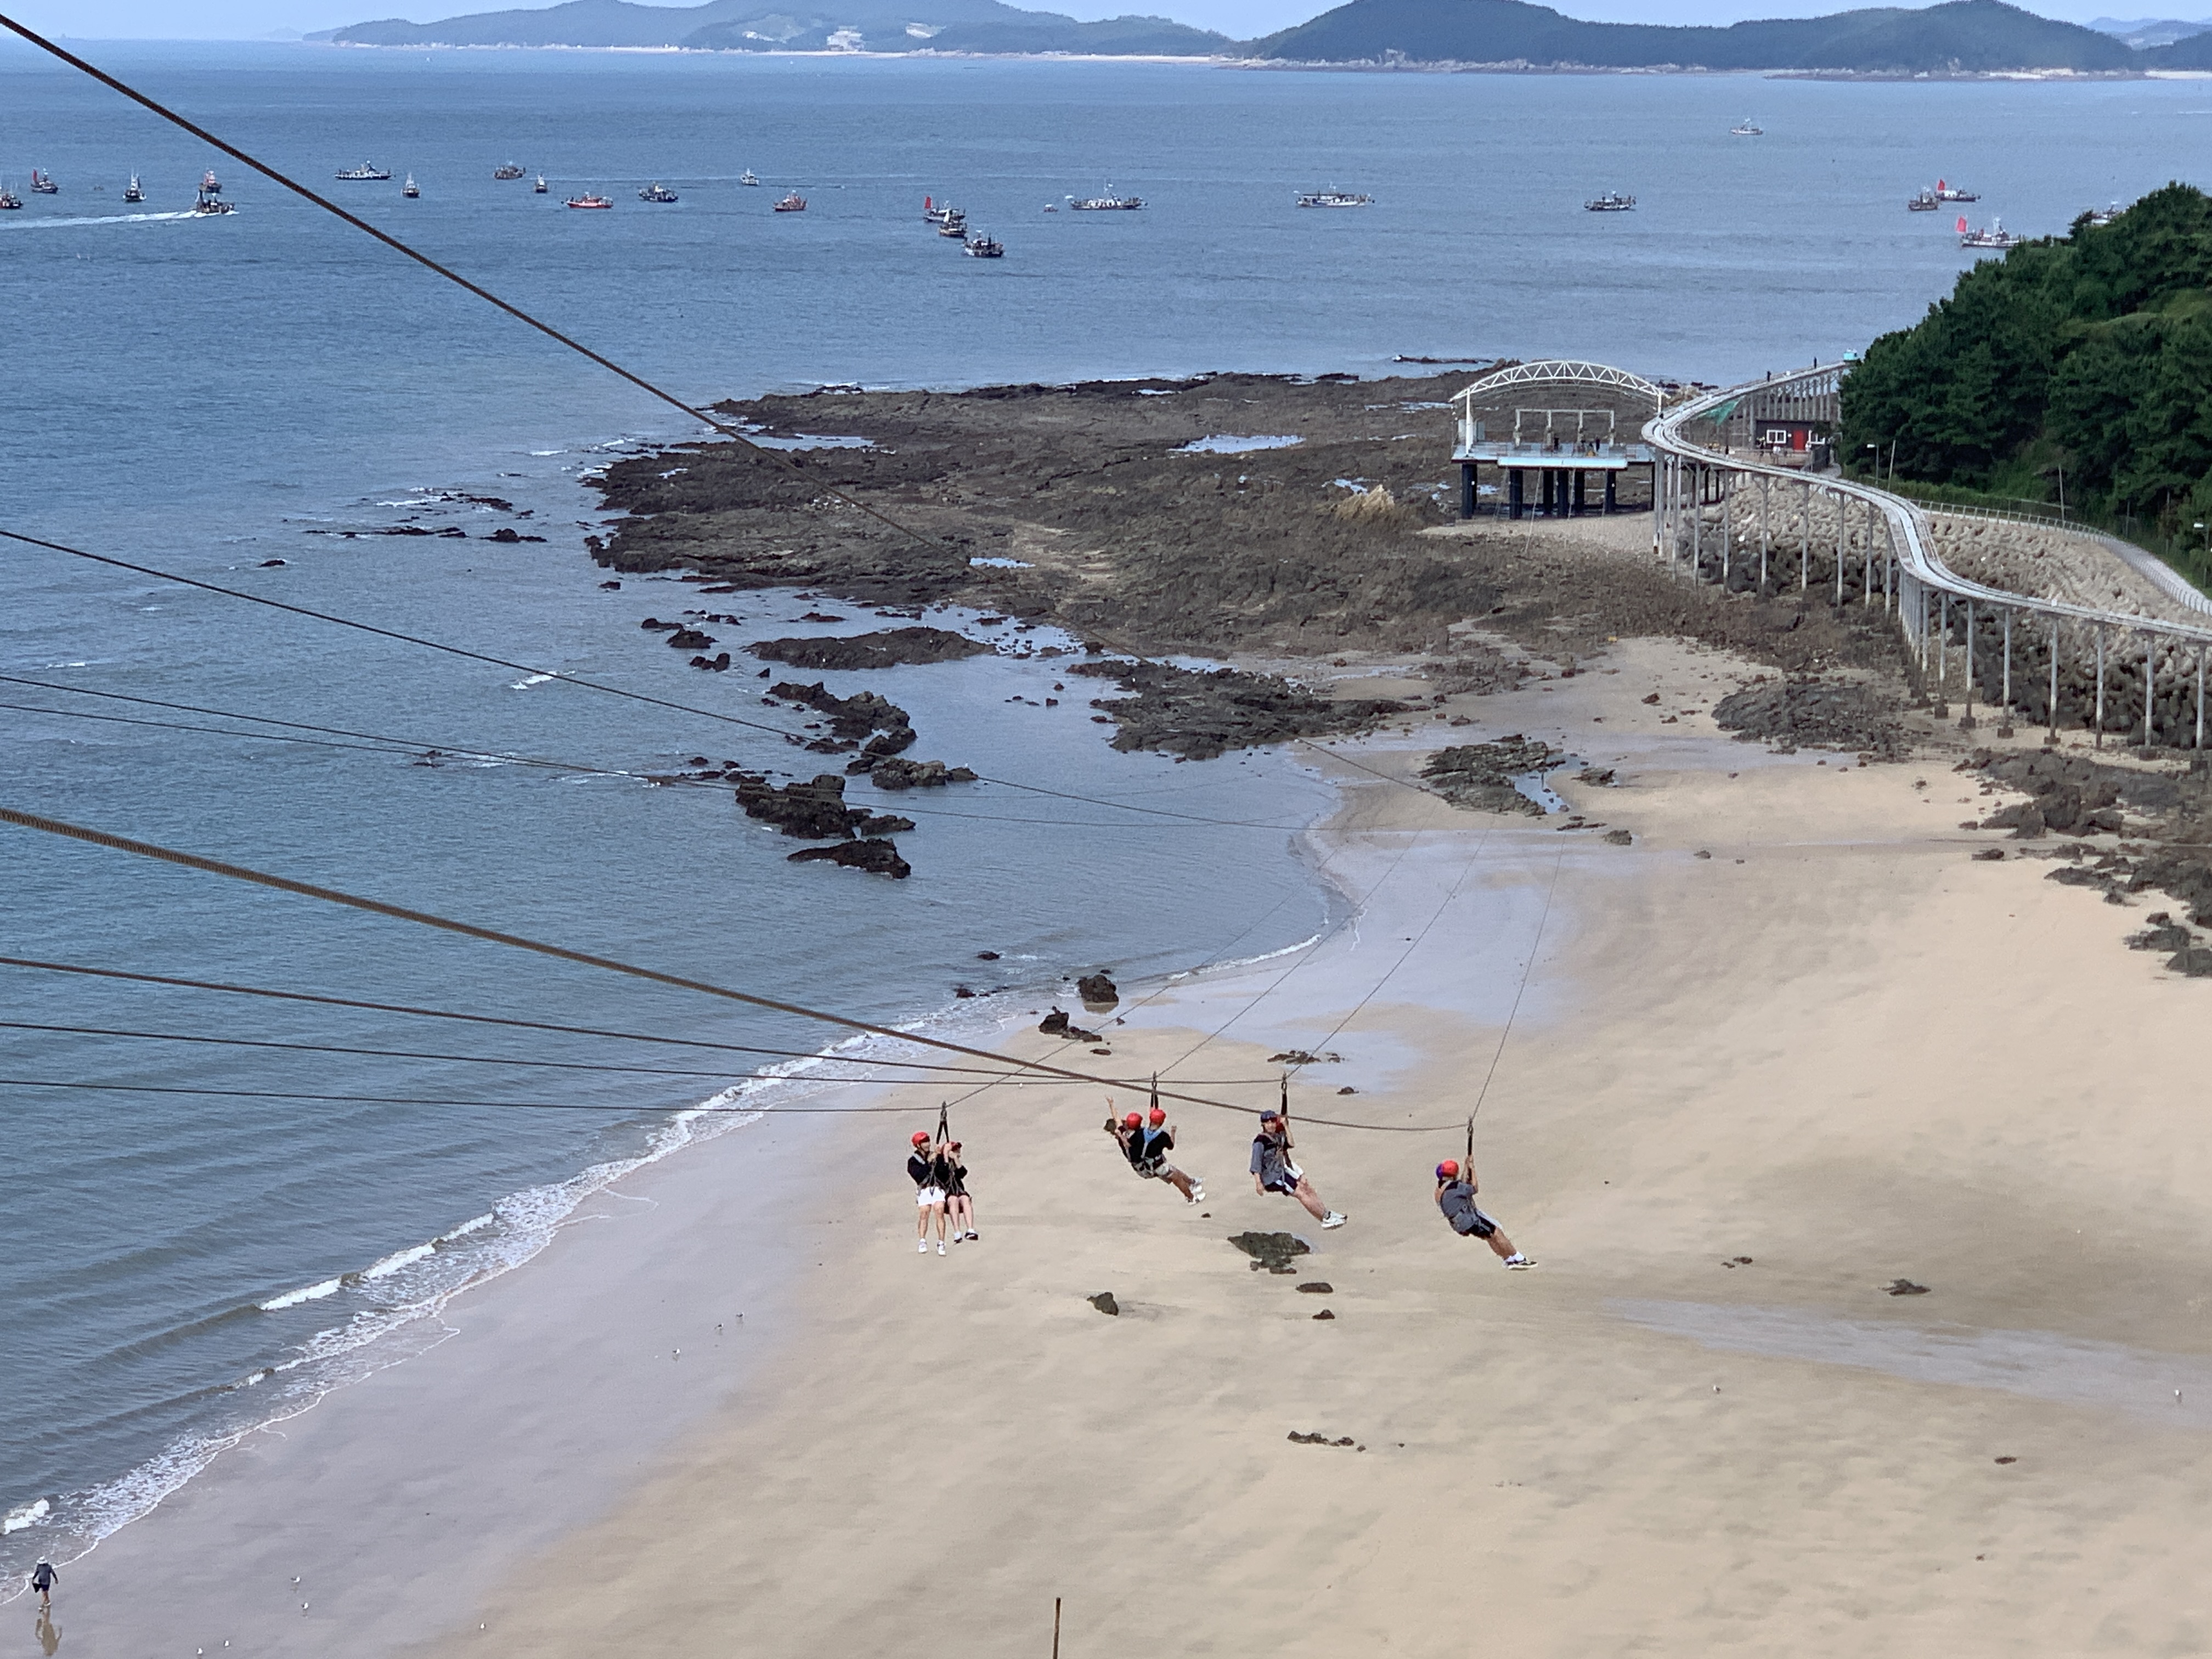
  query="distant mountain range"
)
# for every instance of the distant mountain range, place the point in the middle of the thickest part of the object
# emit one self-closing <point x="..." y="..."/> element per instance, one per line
<point x="1960" y="37"/>
<point x="966" y="25"/>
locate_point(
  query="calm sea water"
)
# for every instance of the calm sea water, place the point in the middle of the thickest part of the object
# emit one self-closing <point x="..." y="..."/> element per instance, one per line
<point x="202" y="394"/>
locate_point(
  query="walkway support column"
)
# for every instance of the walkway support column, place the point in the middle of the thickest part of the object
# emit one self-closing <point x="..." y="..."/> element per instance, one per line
<point x="1805" y="550"/>
<point x="1467" y="490"/>
<point x="1513" y="505"/>
<point x="2099" y="740"/>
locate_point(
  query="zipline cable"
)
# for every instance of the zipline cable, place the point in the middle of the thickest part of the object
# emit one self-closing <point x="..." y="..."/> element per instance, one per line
<point x="469" y="930"/>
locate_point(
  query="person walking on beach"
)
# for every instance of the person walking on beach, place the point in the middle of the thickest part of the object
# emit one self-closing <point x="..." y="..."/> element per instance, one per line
<point x="1456" y="1192"/>
<point x="1274" y="1172"/>
<point x="42" y="1580"/>
<point x="958" y="1204"/>
<point x="924" y="1165"/>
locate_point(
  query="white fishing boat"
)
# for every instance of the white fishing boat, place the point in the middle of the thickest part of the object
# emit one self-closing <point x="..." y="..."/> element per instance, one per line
<point x="1746" y="128"/>
<point x="1924" y="202"/>
<point x="1109" y="203"/>
<point x="9" y="199"/>
<point x="1945" y="192"/>
<point x="589" y="201"/>
<point x="411" y="189"/>
<point x="368" y="172"/>
<point x="1334" y="198"/>
<point x="1612" y="201"/>
<point x="749" y="179"/>
<point x="656" y="192"/>
<point x="2105" y="215"/>
<point x="539" y="189"/>
<point x="209" y="185"/>
<point x="42" y="184"/>
<point x="1996" y="236"/>
<point x="982" y="247"/>
<point x="793" y="203"/>
<point x="134" y="192"/>
<point x="506" y="170"/>
<point x="210" y="200"/>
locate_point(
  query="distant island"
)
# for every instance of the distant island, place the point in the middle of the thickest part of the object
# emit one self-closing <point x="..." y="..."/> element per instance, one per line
<point x="1960" y="37"/>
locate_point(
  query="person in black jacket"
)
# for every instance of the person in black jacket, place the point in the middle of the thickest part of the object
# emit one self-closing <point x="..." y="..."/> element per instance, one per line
<point x="958" y="1204"/>
<point x="42" y="1580"/>
<point x="922" y="1164"/>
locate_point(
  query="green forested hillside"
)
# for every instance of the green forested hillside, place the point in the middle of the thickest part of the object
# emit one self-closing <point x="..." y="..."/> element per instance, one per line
<point x="2089" y="353"/>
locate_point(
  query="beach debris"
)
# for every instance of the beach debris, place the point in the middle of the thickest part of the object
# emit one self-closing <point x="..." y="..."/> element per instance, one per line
<point x="1198" y="714"/>
<point x="1904" y="1287"/>
<point x="1298" y="1439"/>
<point x="874" y="854"/>
<point x="1273" y="1251"/>
<point x="1302" y="1057"/>
<point x="1479" y="776"/>
<point x="1347" y="1090"/>
<point x="1325" y="1314"/>
<point x="885" y="648"/>
<point x="1317" y="1287"/>
<point x="1600" y="776"/>
<point x="1102" y="1051"/>
<point x="1105" y="1303"/>
<point x="1653" y="698"/>
<point x="1619" y="838"/>
<point x="1055" y="1023"/>
<point x="1097" y="991"/>
<point x="1701" y="854"/>
<point x="1989" y="855"/>
<point x="2015" y="1460"/>
<point x="1816" y="713"/>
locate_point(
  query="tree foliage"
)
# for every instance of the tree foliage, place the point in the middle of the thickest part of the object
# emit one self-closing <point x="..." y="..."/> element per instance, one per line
<point x="2090" y="352"/>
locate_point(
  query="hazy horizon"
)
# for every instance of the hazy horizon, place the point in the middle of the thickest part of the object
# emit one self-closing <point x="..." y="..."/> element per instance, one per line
<point x="262" y="19"/>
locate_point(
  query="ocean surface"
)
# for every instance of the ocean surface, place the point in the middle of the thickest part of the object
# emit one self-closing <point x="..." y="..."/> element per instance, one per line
<point x="207" y="396"/>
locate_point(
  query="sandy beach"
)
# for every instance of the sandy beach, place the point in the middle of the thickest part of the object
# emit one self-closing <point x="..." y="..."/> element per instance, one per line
<point x="1836" y="1046"/>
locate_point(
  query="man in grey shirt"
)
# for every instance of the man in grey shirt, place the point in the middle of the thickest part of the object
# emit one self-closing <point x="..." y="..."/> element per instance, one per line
<point x="1274" y="1172"/>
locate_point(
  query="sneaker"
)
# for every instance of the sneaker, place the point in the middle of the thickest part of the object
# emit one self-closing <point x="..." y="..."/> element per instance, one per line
<point x="921" y="1246"/>
<point x="1518" y="1262"/>
<point x="975" y="1235"/>
<point x="1197" y="1192"/>
<point x="940" y="1247"/>
<point x="1333" y="1219"/>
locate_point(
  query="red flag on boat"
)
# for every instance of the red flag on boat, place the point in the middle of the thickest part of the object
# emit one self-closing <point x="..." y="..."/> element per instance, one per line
<point x="1962" y="224"/>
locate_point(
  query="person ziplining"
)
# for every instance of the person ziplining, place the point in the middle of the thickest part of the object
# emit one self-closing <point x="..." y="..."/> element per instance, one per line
<point x="1274" y="1172"/>
<point x="1456" y="1189"/>
<point x="1145" y="1140"/>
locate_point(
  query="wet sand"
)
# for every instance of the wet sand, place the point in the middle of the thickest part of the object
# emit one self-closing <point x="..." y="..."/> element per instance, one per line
<point x="1836" y="1047"/>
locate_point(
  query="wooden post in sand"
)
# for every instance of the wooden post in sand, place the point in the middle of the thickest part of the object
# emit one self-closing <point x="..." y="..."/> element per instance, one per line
<point x="1056" y="1627"/>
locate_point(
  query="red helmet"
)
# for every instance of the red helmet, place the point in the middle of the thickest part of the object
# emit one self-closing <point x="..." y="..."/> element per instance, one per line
<point x="1132" y="1122"/>
<point x="1158" y="1117"/>
<point x="921" y="1137"/>
<point x="1448" y="1170"/>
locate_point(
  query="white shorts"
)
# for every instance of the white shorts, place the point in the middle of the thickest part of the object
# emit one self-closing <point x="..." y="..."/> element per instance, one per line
<point x="926" y="1196"/>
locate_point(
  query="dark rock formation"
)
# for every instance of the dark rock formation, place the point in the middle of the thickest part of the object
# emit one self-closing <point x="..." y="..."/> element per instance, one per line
<point x="1818" y="714"/>
<point x="888" y="823"/>
<point x="1097" y="991"/>
<point x="689" y="639"/>
<point x="889" y="772"/>
<point x="1104" y="1303"/>
<point x="854" y="717"/>
<point x="1198" y="715"/>
<point x="1273" y="1251"/>
<point x="1057" y="1024"/>
<point x="880" y="857"/>
<point x="1479" y="775"/>
<point x="882" y="649"/>
<point x="815" y="810"/>
<point x="2069" y="795"/>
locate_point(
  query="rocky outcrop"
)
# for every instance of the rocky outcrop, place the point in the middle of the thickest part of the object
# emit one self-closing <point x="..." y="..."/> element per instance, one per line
<point x="890" y="772"/>
<point x="885" y="648"/>
<point x="1097" y="991"/>
<point x="2067" y="795"/>
<point x="852" y="719"/>
<point x="813" y="810"/>
<point x="1479" y="775"/>
<point x="1198" y="714"/>
<point x="1815" y="713"/>
<point x="876" y="856"/>
<point x="1057" y="1024"/>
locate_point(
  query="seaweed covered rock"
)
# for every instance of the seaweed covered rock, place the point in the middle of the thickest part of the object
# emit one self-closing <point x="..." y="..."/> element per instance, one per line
<point x="1815" y="713"/>
<point x="890" y="772"/>
<point x="885" y="648"/>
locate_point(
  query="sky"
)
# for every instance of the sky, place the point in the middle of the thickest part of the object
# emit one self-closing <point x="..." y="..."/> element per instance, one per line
<point x="251" y="19"/>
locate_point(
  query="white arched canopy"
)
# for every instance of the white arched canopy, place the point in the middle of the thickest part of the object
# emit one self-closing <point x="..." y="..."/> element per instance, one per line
<point x="1565" y="370"/>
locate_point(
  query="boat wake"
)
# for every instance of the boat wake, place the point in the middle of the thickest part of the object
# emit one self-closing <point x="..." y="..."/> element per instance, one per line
<point x="113" y="219"/>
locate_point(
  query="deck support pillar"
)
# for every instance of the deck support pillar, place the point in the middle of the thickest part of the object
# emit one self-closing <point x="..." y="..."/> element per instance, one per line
<point x="1467" y="490"/>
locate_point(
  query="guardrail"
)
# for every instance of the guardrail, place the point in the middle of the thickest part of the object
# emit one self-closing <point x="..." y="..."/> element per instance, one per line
<point x="1940" y="612"/>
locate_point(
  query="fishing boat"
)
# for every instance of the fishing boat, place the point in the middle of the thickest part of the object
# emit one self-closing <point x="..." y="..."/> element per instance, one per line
<point x="1924" y="201"/>
<point x="1746" y="128"/>
<point x="1945" y="193"/>
<point x="9" y="199"/>
<point x="793" y="203"/>
<point x="588" y="200"/>
<point x="135" y="192"/>
<point x="1051" y="207"/>
<point x="208" y="184"/>
<point x="1996" y="236"/>
<point x="749" y="179"/>
<point x="1109" y="203"/>
<point x="2100" y="217"/>
<point x="411" y="189"/>
<point x="982" y="247"/>
<point x="368" y="172"/>
<point x="42" y="184"/>
<point x="1334" y="198"/>
<point x="210" y="200"/>
<point x="539" y="189"/>
<point x="1612" y="201"/>
<point x="656" y="192"/>
<point x="509" y="171"/>
<point x="932" y="214"/>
